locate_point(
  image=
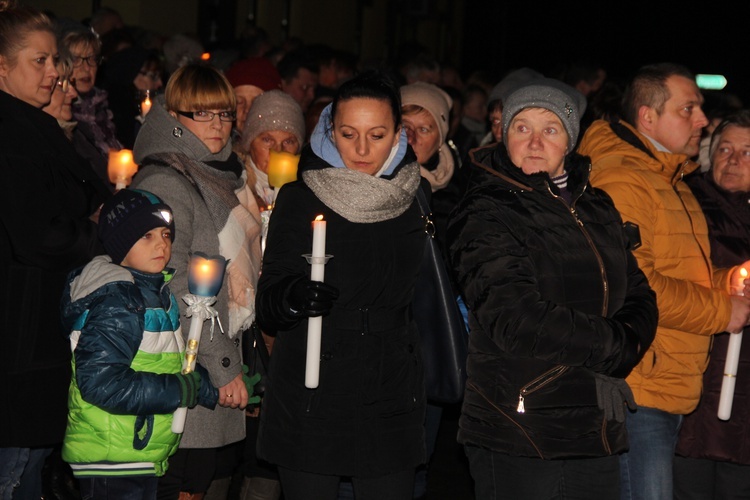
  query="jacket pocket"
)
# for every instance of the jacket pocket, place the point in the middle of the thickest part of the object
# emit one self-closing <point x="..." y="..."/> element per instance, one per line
<point x="538" y="383"/>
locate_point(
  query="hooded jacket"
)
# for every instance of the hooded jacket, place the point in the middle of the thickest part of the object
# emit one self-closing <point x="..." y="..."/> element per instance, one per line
<point x="648" y="190"/>
<point x="125" y="335"/>
<point x="554" y="296"/>
<point x="219" y="353"/>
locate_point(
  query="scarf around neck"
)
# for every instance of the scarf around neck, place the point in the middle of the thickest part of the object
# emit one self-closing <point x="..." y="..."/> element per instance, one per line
<point x="227" y="199"/>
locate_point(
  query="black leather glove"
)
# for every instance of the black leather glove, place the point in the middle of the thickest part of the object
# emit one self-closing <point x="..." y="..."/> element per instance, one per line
<point x="307" y="298"/>
<point x="612" y="394"/>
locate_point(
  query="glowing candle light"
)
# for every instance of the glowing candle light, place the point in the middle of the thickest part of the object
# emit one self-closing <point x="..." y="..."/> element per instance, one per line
<point x="315" y="324"/>
<point x="726" y="397"/>
<point x="282" y="168"/>
<point x="205" y="276"/>
<point x="121" y="168"/>
<point x="146" y="106"/>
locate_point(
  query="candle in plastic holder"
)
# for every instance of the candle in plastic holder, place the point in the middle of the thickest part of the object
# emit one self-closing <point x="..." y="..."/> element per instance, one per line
<point x="205" y="277"/>
<point x="121" y="168"/>
<point x="317" y="260"/>
<point x="726" y="397"/>
<point x="282" y="168"/>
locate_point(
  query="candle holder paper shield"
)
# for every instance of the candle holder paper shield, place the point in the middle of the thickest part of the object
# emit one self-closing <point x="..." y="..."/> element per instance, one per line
<point x="205" y="274"/>
<point x="282" y="168"/>
<point x="121" y="168"/>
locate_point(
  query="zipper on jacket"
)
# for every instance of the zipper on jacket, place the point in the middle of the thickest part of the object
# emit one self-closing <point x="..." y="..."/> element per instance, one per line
<point x="539" y="382"/>
<point x="605" y="282"/>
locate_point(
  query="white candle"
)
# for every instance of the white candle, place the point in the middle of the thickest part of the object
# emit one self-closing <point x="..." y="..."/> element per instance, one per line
<point x="315" y="324"/>
<point x="733" y="359"/>
<point x="145" y="106"/>
<point x="188" y="365"/>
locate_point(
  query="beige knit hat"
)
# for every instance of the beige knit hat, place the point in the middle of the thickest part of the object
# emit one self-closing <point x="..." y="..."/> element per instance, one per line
<point x="273" y="110"/>
<point x="435" y="100"/>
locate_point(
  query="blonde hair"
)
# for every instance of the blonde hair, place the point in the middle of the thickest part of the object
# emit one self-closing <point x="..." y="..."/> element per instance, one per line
<point x="16" y="24"/>
<point x="196" y="87"/>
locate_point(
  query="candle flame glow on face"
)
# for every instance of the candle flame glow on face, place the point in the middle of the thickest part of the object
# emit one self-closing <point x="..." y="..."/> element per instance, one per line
<point x="320" y="217"/>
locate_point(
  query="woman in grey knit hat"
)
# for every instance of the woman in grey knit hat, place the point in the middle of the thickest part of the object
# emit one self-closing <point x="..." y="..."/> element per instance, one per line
<point x="559" y="311"/>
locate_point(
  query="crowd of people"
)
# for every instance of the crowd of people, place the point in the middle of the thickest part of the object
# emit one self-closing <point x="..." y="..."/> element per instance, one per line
<point x="596" y="233"/>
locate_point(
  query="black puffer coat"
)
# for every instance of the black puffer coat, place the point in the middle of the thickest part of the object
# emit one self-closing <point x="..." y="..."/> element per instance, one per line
<point x="554" y="295"/>
<point x="366" y="418"/>
<point x="702" y="434"/>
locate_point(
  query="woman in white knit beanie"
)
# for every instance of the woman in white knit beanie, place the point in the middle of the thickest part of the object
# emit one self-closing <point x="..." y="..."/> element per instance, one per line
<point x="426" y="118"/>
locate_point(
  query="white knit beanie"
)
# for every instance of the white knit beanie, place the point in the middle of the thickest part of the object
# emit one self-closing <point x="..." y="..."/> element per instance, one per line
<point x="432" y="98"/>
<point x="273" y="110"/>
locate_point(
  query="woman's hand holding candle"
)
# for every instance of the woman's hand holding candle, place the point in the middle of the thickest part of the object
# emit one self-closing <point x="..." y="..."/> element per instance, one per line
<point x="726" y="397"/>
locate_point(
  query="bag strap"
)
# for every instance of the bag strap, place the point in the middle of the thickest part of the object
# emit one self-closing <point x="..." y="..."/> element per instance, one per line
<point x="424" y="206"/>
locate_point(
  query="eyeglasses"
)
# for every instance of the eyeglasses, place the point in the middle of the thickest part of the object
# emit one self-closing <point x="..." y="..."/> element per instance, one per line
<point x="92" y="61"/>
<point x="153" y="75"/>
<point x="207" y="116"/>
<point x="65" y="84"/>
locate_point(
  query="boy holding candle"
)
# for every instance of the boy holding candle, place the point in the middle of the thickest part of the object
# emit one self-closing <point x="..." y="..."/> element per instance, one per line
<point x="127" y="354"/>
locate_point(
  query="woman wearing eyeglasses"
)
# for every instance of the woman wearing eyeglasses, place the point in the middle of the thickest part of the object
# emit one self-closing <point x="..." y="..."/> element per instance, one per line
<point x="186" y="158"/>
<point x="46" y="230"/>
<point x="91" y="110"/>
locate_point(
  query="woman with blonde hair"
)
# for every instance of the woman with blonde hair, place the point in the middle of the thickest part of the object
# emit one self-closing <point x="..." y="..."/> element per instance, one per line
<point x="185" y="152"/>
<point x="47" y="228"/>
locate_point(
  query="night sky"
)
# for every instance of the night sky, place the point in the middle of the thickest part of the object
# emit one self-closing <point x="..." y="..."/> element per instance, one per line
<point x="710" y="37"/>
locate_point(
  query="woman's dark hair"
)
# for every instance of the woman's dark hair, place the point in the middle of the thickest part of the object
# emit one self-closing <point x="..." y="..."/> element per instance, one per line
<point x="371" y="84"/>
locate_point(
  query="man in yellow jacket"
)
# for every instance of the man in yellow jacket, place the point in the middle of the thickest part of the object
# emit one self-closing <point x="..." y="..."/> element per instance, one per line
<point x="641" y="162"/>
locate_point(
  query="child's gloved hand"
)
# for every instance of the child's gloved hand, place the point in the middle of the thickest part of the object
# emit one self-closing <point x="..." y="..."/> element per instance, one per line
<point x="250" y="383"/>
<point x="196" y="388"/>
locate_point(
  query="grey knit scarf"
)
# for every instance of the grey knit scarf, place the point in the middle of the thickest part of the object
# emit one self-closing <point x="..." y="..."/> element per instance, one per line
<point x="364" y="198"/>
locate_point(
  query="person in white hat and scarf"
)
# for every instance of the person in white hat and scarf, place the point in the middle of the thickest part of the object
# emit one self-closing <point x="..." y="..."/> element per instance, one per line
<point x="426" y="115"/>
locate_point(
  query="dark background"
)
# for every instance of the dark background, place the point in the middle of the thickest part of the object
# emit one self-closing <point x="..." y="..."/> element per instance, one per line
<point x="707" y="37"/>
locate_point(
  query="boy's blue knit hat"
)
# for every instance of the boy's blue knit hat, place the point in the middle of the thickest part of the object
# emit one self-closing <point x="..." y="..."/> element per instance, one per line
<point x="127" y="216"/>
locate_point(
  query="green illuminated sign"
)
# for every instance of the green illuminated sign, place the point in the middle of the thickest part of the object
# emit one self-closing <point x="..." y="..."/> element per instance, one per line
<point x="711" y="82"/>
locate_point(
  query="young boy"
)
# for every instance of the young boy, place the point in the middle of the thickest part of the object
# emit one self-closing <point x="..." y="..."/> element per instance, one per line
<point x="127" y="354"/>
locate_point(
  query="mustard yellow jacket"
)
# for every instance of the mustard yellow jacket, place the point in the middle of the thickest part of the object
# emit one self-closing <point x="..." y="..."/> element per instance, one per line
<point x="692" y="297"/>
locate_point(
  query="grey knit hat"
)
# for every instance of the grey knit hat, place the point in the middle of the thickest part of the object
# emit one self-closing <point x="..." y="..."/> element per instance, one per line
<point x="511" y="82"/>
<point x="273" y="110"/>
<point x="432" y="99"/>
<point x="563" y="100"/>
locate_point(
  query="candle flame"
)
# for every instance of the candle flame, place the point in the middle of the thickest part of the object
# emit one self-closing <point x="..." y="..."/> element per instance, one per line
<point x="743" y="272"/>
<point x="320" y="217"/>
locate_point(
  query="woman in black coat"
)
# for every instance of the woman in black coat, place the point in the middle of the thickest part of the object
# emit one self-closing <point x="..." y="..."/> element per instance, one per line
<point x="713" y="456"/>
<point x="365" y="418"/>
<point x="49" y="194"/>
<point x="559" y="312"/>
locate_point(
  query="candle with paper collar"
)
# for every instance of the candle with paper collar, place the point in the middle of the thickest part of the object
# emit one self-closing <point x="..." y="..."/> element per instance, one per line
<point x="315" y="324"/>
<point x="282" y="168"/>
<point x="121" y="168"/>
<point x="726" y="397"/>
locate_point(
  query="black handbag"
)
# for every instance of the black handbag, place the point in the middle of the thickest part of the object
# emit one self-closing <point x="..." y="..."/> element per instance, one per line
<point x="441" y="325"/>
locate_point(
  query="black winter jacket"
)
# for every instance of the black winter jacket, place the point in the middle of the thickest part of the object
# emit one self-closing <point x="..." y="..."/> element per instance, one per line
<point x="366" y="417"/>
<point x="49" y="192"/>
<point x="702" y="434"/>
<point x="554" y="295"/>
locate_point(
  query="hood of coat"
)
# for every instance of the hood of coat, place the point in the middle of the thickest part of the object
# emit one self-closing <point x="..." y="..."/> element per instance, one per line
<point x="162" y="133"/>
